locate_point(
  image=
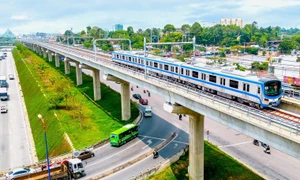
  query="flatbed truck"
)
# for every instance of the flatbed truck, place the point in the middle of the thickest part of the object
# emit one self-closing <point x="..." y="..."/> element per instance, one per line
<point x="69" y="169"/>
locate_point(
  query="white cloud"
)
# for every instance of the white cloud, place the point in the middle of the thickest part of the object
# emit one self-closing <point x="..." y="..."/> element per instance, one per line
<point x="259" y="6"/>
<point x="19" y="17"/>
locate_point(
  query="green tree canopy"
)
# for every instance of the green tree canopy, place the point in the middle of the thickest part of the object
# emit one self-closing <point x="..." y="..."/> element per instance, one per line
<point x="196" y="29"/>
<point x="286" y="46"/>
<point x="169" y="28"/>
<point x="82" y="33"/>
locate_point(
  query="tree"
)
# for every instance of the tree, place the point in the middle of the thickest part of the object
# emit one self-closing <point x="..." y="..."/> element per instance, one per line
<point x="264" y="52"/>
<point x="68" y="33"/>
<point x="88" y="29"/>
<point x="186" y="28"/>
<point x="286" y="46"/>
<point x="54" y="100"/>
<point x="82" y="33"/>
<point x="169" y="28"/>
<point x="196" y="29"/>
<point x="130" y="30"/>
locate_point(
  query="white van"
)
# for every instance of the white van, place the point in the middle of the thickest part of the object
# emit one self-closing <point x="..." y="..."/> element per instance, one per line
<point x="148" y="111"/>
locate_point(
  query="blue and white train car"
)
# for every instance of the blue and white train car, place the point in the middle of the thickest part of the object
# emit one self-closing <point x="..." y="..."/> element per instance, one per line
<point x="244" y="87"/>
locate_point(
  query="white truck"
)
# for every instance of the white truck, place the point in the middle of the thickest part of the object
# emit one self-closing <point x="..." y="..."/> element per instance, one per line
<point x="68" y="169"/>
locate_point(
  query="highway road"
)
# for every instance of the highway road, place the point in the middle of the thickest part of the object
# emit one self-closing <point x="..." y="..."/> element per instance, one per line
<point x="15" y="149"/>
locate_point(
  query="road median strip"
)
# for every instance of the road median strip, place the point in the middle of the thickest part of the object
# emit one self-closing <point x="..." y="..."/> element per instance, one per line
<point x="135" y="160"/>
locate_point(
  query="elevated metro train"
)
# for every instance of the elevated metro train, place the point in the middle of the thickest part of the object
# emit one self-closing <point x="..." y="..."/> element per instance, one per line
<point x="243" y="87"/>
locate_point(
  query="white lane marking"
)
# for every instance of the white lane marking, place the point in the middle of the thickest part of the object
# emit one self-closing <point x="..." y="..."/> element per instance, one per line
<point x="151" y="137"/>
<point x="180" y="142"/>
<point x="175" y="145"/>
<point x="229" y="145"/>
<point x="118" y="152"/>
<point x="149" y="142"/>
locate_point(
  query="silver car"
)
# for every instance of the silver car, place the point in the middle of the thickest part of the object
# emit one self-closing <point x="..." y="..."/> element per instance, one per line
<point x="19" y="172"/>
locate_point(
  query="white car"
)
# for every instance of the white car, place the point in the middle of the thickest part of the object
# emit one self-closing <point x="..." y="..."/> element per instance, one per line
<point x="3" y="108"/>
<point x="11" y="76"/>
<point x="19" y="172"/>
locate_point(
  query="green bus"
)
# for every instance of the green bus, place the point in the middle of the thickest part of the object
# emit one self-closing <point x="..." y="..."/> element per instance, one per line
<point x="123" y="135"/>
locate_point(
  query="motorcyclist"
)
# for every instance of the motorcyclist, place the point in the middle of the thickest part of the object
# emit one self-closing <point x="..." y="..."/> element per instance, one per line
<point x="255" y="142"/>
<point x="155" y="154"/>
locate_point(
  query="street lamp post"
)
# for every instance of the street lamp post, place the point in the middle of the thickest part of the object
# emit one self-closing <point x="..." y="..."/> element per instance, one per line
<point x="45" y="138"/>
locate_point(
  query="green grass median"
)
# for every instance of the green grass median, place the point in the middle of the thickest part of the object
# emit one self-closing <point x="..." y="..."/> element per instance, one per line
<point x="217" y="166"/>
<point x="65" y="109"/>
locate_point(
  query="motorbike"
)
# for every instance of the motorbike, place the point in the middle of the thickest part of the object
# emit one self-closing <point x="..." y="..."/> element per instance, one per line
<point x="255" y="142"/>
<point x="267" y="150"/>
<point x="155" y="154"/>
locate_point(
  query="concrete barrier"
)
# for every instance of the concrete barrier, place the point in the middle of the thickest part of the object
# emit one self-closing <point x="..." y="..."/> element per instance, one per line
<point x="160" y="167"/>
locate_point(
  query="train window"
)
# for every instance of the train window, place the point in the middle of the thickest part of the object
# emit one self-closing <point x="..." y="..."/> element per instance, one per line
<point x="160" y="66"/>
<point x="258" y="90"/>
<point x="147" y="63"/>
<point x="123" y="57"/>
<point x="166" y="67"/>
<point x="118" y="56"/>
<point x="234" y="84"/>
<point x="222" y="81"/>
<point x="195" y="74"/>
<point x="129" y="58"/>
<point x="246" y="87"/>
<point x="203" y="76"/>
<point x="181" y="71"/>
<point x="142" y="61"/>
<point x="155" y="64"/>
<point x="187" y="72"/>
<point x="176" y="69"/>
<point x="139" y="61"/>
<point x="151" y="63"/>
<point x="172" y="68"/>
<point x="212" y="78"/>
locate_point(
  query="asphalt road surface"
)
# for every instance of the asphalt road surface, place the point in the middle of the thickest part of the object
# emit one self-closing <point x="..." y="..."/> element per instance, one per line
<point x="14" y="143"/>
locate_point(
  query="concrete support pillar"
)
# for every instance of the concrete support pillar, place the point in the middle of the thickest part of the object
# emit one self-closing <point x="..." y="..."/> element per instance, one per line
<point x="196" y="148"/>
<point x="196" y="139"/>
<point x="40" y="51"/>
<point x="125" y="101"/>
<point x="57" y="64"/>
<point x="44" y="53"/>
<point x="125" y="95"/>
<point x="78" y="74"/>
<point x="67" y="66"/>
<point x="49" y="56"/>
<point x="96" y="82"/>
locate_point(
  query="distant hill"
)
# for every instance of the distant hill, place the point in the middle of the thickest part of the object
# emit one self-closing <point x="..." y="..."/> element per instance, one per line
<point x="8" y="34"/>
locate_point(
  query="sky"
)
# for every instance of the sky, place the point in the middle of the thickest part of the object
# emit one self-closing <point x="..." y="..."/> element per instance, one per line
<point x="56" y="16"/>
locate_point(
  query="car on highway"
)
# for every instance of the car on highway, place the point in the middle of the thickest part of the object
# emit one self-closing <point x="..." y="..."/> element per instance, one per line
<point x="3" y="94"/>
<point x="19" y="172"/>
<point x="85" y="154"/>
<point x="3" y="108"/>
<point x="137" y="96"/>
<point x="11" y="76"/>
<point x="143" y="101"/>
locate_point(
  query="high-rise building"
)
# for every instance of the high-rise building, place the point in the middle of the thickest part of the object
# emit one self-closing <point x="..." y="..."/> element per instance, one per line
<point x="234" y="21"/>
<point x="118" y="27"/>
